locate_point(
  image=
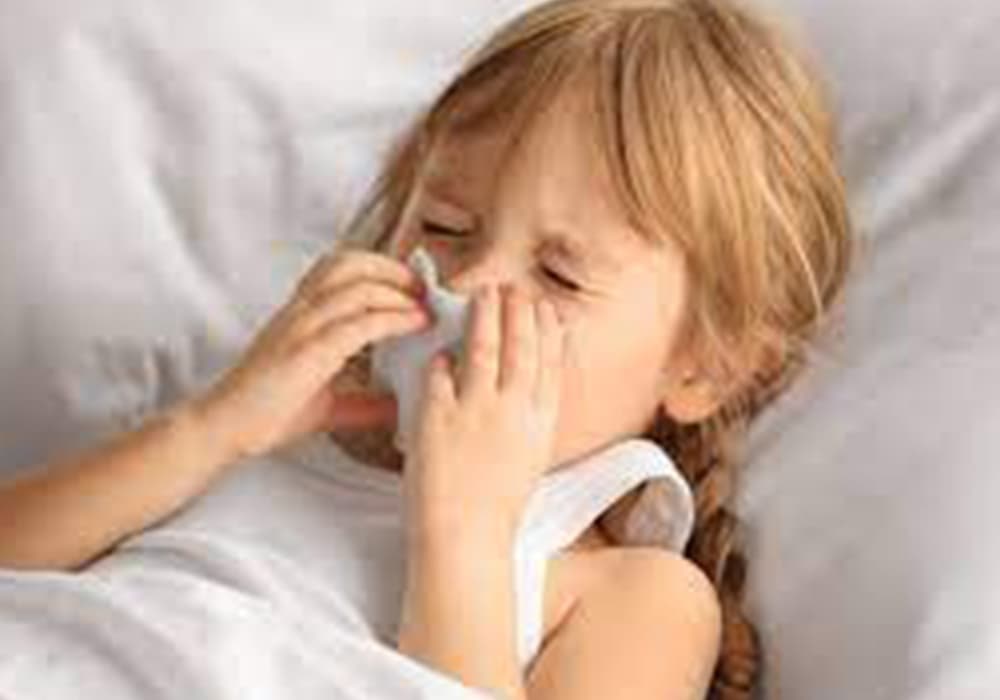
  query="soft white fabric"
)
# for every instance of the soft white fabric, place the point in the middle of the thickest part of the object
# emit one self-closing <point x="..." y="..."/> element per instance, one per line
<point x="399" y="363"/>
<point x="168" y="170"/>
<point x="870" y="488"/>
<point x="284" y="580"/>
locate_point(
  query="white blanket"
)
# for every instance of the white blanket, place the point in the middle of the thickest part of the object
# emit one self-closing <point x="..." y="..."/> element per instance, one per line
<point x="254" y="590"/>
<point x="66" y="637"/>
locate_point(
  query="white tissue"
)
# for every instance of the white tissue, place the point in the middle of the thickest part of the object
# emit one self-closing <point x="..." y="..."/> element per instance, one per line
<point x="400" y="362"/>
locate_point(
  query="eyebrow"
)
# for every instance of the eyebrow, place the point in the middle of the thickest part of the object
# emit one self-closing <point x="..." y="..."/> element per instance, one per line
<point x="442" y="191"/>
<point x="569" y="247"/>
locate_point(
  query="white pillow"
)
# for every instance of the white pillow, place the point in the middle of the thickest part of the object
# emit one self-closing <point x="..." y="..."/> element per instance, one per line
<point x="168" y="171"/>
<point x="872" y="490"/>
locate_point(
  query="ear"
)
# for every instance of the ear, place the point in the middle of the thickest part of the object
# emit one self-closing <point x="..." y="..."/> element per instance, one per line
<point x="690" y="395"/>
<point x="691" y="390"/>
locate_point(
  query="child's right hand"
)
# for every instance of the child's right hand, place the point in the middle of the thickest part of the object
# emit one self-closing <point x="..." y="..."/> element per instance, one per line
<point x="282" y="387"/>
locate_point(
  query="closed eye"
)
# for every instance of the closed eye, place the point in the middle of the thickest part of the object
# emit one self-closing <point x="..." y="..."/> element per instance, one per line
<point x="560" y="280"/>
<point x="438" y="229"/>
<point x="433" y="228"/>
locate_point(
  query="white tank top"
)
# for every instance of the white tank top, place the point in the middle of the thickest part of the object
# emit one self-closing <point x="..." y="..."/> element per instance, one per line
<point x="288" y="573"/>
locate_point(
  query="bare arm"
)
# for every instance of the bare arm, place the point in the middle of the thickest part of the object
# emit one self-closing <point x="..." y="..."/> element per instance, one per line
<point x="63" y="515"/>
<point x="648" y="629"/>
<point x="459" y="612"/>
<point x="66" y="513"/>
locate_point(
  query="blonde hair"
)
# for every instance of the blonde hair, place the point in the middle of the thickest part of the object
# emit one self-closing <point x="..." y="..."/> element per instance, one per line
<point x="719" y="137"/>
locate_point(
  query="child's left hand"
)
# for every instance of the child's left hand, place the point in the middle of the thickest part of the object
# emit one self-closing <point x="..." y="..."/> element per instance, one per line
<point x="486" y="430"/>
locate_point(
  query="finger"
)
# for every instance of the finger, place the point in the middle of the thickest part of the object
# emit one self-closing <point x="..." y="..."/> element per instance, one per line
<point x="551" y="353"/>
<point x="439" y="385"/>
<point x="480" y="361"/>
<point x="337" y="341"/>
<point x="519" y="350"/>
<point x="351" y="265"/>
<point x="354" y="298"/>
<point x="317" y="270"/>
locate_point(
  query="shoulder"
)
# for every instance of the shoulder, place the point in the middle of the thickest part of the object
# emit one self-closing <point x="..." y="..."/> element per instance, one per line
<point x="660" y="581"/>
<point x="655" y="598"/>
<point x="659" y="576"/>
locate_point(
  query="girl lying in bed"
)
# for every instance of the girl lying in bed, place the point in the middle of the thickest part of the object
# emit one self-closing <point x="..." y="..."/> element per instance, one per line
<point x="641" y="198"/>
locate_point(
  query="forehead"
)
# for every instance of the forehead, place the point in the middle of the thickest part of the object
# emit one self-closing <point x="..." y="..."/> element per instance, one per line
<point x="552" y="173"/>
<point x="467" y="163"/>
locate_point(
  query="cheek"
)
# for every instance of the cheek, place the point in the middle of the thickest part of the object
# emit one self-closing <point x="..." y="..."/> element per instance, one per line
<point x="602" y="363"/>
<point x="591" y="376"/>
<point x="609" y="381"/>
<point x="450" y="254"/>
<point x="594" y="406"/>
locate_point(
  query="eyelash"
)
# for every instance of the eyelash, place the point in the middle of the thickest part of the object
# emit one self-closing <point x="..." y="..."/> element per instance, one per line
<point x="564" y="283"/>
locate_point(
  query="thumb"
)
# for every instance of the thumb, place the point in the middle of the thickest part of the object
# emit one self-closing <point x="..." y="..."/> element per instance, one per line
<point x="360" y="410"/>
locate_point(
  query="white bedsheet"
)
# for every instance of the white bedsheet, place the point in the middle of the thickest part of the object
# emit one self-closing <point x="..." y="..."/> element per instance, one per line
<point x="168" y="170"/>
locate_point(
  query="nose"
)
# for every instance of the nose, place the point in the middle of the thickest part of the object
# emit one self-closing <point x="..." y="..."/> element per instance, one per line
<point x="486" y="269"/>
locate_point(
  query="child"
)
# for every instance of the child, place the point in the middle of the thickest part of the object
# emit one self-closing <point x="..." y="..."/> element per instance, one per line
<point x="642" y="200"/>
